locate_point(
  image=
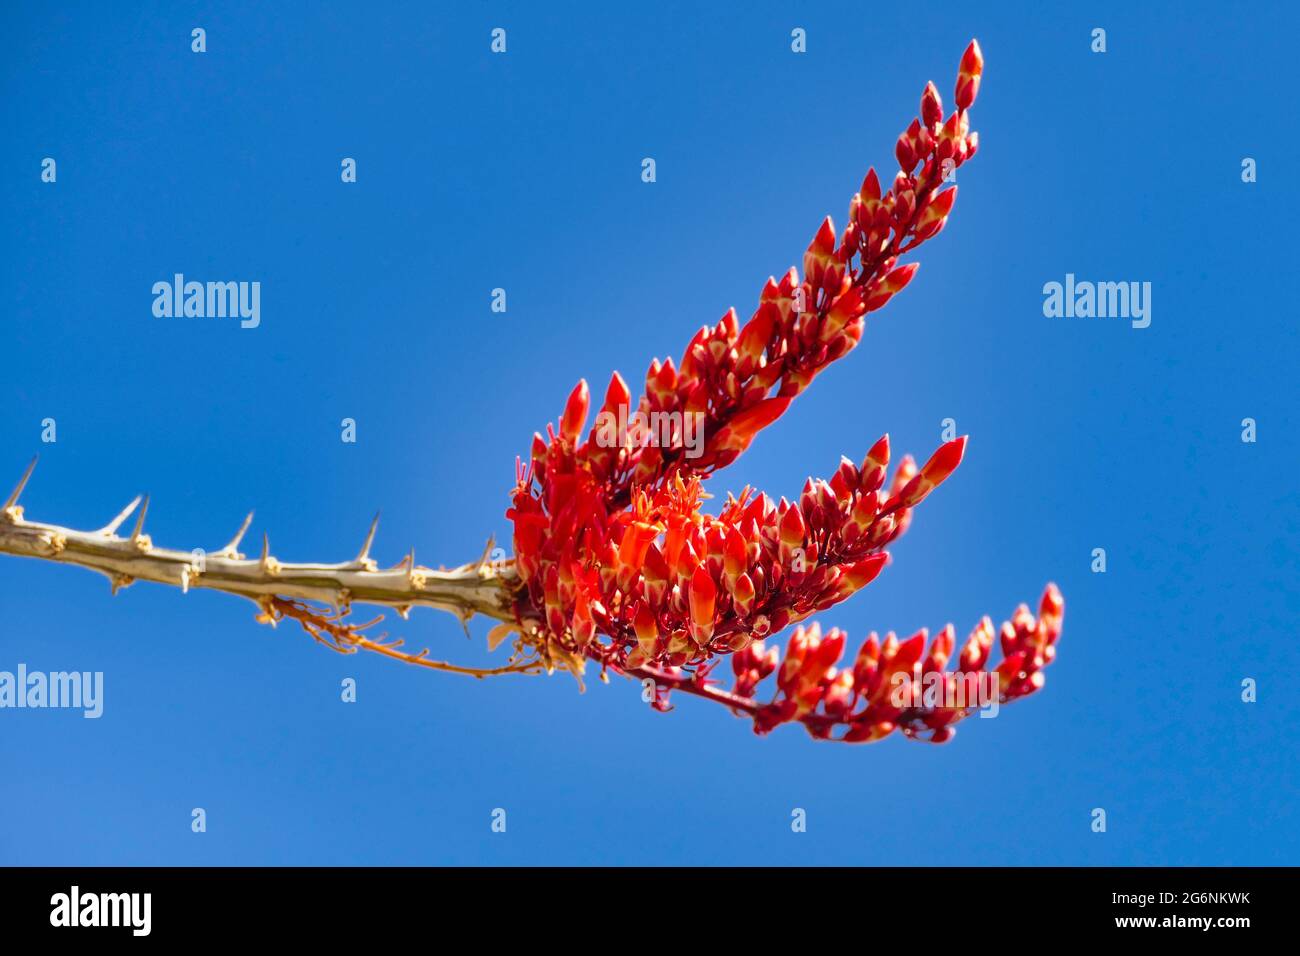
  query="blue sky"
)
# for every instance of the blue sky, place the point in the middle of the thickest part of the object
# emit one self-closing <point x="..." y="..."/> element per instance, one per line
<point x="522" y="171"/>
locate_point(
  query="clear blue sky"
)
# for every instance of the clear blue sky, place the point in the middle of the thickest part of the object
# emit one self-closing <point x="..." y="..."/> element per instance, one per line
<point x="523" y="171"/>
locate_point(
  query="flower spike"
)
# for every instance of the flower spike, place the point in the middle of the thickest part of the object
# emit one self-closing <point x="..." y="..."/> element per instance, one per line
<point x="611" y="538"/>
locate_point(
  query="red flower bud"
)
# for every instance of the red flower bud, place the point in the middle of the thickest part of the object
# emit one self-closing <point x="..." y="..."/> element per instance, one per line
<point x="931" y="106"/>
<point x="702" y="601"/>
<point x="575" y="412"/>
<point x="792" y="528"/>
<point x="941" y="464"/>
<point x="617" y="395"/>
<point x="968" y="76"/>
<point x="905" y="154"/>
<point x="871" y="186"/>
<point x="862" y="573"/>
<point x="740" y="431"/>
<point x="937" y="210"/>
<point x="647" y="630"/>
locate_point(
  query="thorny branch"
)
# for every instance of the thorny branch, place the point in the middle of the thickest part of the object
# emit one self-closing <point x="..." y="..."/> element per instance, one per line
<point x="279" y="588"/>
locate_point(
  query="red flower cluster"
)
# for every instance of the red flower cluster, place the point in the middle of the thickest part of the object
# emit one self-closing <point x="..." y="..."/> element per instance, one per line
<point x="617" y="561"/>
<point x="898" y="685"/>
